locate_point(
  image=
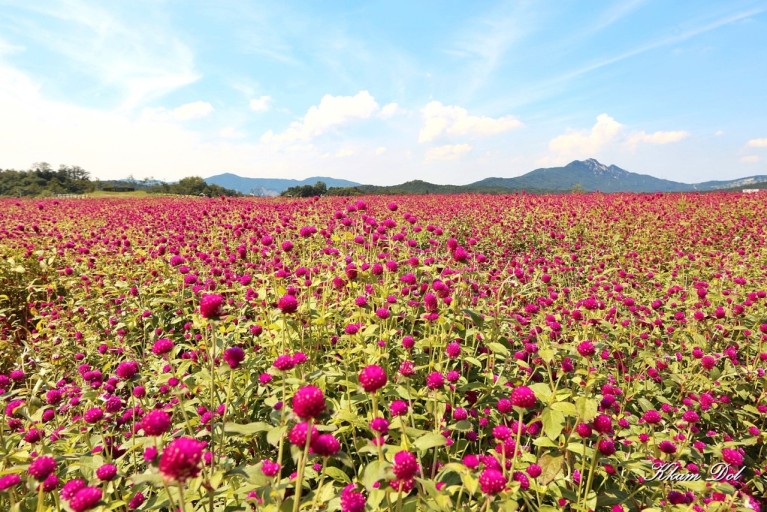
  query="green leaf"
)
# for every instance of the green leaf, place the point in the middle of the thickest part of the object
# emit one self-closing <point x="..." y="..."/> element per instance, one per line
<point x="586" y="408"/>
<point x="337" y="475"/>
<point x="567" y="408"/>
<point x="550" y="468"/>
<point x="497" y="348"/>
<point x="274" y="435"/>
<point x="553" y="422"/>
<point x="430" y="440"/>
<point x="463" y="426"/>
<point x="374" y="472"/>
<point x="248" y="429"/>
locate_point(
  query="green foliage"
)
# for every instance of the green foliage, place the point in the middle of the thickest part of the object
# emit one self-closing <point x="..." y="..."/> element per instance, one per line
<point x="318" y="189"/>
<point x="42" y="180"/>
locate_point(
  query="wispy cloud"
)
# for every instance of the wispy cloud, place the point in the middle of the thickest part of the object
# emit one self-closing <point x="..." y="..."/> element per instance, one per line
<point x="488" y="39"/>
<point x="757" y="143"/>
<point x="130" y="53"/>
<point x="661" y="42"/>
<point x="185" y="112"/>
<point x="261" y="104"/>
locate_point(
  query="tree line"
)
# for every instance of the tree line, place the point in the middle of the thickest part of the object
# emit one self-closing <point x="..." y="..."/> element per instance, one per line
<point x="42" y="181"/>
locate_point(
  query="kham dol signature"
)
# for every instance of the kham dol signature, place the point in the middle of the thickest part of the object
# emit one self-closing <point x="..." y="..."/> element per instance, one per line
<point x="670" y="472"/>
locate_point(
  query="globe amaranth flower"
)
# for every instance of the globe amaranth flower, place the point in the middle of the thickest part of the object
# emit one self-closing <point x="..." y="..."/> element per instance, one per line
<point x="181" y="459"/>
<point x="70" y="488"/>
<point x="270" y="468"/>
<point x="606" y="446"/>
<point x="85" y="499"/>
<point x="156" y="423"/>
<point x="372" y="378"/>
<point x="106" y="472"/>
<point x="8" y="481"/>
<point x="234" y="356"/>
<point x="325" y="445"/>
<point x="652" y="416"/>
<point x="211" y="306"/>
<point x="287" y="304"/>
<point x="405" y="465"/>
<point x="127" y="369"/>
<point x="398" y="408"/>
<point x="732" y="457"/>
<point x="603" y="424"/>
<point x="435" y="380"/>
<point x="523" y="397"/>
<point x="492" y="481"/>
<point x="298" y="433"/>
<point x="41" y="467"/>
<point x="308" y="402"/>
<point x="162" y="346"/>
<point x="351" y="500"/>
<point x="284" y="363"/>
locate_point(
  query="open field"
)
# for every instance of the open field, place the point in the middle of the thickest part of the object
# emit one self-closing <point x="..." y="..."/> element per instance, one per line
<point x="569" y="352"/>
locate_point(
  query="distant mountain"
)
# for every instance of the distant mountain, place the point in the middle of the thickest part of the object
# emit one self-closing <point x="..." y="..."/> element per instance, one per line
<point x="584" y="175"/>
<point x="591" y="175"/>
<point x="270" y="186"/>
<point x="587" y="175"/>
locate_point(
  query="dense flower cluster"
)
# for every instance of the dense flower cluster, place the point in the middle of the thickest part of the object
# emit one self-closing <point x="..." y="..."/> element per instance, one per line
<point x="463" y="353"/>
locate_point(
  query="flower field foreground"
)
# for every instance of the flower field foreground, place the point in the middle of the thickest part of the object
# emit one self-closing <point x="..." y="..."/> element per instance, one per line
<point x="583" y="352"/>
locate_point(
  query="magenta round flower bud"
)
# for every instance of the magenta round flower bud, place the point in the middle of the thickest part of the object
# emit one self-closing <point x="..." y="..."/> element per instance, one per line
<point x="405" y="465"/>
<point x="298" y="433"/>
<point x="372" y="378"/>
<point x="435" y="380"/>
<point x="492" y="481"/>
<point x="156" y="423"/>
<point x="308" y="402"/>
<point x="351" y="500"/>
<point x="162" y="346"/>
<point x="234" y="356"/>
<point x="106" y="472"/>
<point x="325" y="445"/>
<point x="211" y="306"/>
<point x="270" y="468"/>
<point x="287" y="304"/>
<point x="85" y="499"/>
<point x="70" y="488"/>
<point x="523" y="397"/>
<point x="181" y="459"/>
<point x="41" y="467"/>
<point x="603" y="424"/>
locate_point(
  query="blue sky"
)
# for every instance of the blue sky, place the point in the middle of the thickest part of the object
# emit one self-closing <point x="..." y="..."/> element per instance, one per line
<point x="384" y="92"/>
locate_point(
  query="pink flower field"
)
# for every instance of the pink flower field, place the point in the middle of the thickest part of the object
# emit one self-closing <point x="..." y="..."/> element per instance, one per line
<point x="420" y="353"/>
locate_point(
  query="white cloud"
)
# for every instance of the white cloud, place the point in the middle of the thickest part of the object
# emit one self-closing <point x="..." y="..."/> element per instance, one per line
<point x="750" y="159"/>
<point x="231" y="133"/>
<point x="719" y="133"/>
<point x="345" y="153"/>
<point x="390" y="110"/>
<point x="442" y="120"/>
<point x="261" y="104"/>
<point x="606" y="134"/>
<point x="757" y="143"/>
<point x="655" y="138"/>
<point x="447" y="152"/>
<point x="380" y="150"/>
<point x="185" y="112"/>
<point x="333" y="111"/>
<point x="587" y="143"/>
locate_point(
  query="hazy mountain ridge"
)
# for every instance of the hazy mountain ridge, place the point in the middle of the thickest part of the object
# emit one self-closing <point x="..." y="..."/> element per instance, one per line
<point x="271" y="186"/>
<point x="582" y="175"/>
